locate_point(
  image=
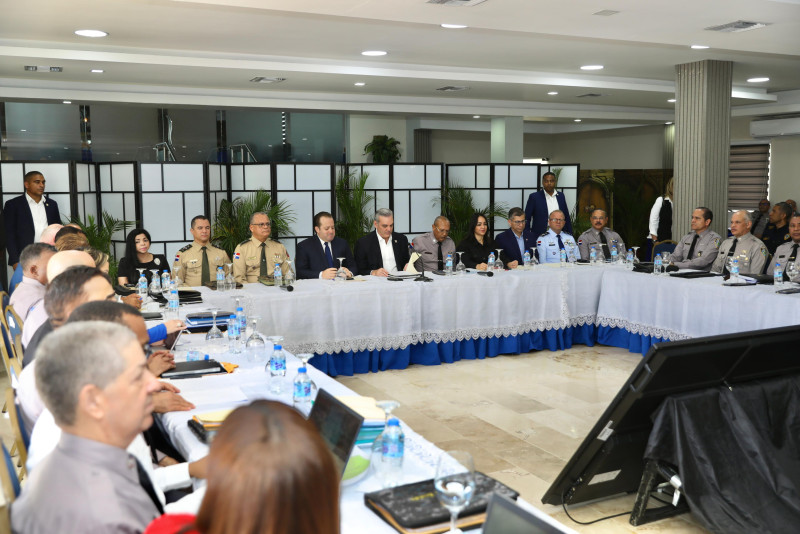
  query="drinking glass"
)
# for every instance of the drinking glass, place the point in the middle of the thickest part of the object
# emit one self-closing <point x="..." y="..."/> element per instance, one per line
<point x="288" y="278"/>
<point x="635" y="254"/>
<point x="791" y="270"/>
<point x="341" y="274"/>
<point x="175" y="271"/>
<point x="460" y="267"/>
<point x="230" y="281"/>
<point x="534" y="261"/>
<point x="498" y="263"/>
<point x="255" y="344"/>
<point x="215" y="333"/>
<point x="305" y="357"/>
<point x="155" y="281"/>
<point x="454" y="483"/>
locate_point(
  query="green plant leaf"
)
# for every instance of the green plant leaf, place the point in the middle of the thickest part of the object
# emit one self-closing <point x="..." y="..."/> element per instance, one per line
<point x="353" y="220"/>
<point x="458" y="205"/>
<point x="232" y="225"/>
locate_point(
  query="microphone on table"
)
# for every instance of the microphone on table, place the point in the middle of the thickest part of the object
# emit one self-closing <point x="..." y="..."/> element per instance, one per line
<point x="288" y="288"/>
<point x="486" y="273"/>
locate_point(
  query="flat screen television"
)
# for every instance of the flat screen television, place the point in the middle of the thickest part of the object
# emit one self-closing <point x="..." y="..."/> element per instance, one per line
<point x="610" y="460"/>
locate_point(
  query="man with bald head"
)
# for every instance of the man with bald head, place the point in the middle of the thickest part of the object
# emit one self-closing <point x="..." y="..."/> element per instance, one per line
<point x="48" y="237"/>
<point x="435" y="245"/>
<point x="33" y="261"/>
<point x="59" y="262"/>
<point x="742" y="245"/>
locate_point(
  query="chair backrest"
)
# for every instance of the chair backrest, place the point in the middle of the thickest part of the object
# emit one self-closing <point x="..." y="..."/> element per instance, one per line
<point x="13" y="322"/>
<point x="4" y="297"/>
<point x="12" y="364"/>
<point x="664" y="246"/>
<point x="8" y="477"/>
<point x="21" y="435"/>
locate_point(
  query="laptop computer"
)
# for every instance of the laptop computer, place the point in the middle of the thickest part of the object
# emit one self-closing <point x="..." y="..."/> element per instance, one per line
<point x="504" y="516"/>
<point x="338" y="424"/>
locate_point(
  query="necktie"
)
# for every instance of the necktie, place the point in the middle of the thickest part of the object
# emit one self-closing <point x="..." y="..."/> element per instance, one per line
<point x="205" y="276"/>
<point x="691" y="248"/>
<point x="263" y="271"/>
<point x="441" y="260"/>
<point x="147" y="486"/>
<point x="793" y="256"/>
<point x="328" y="255"/>
<point x="560" y="243"/>
<point x="730" y="253"/>
<point x="604" y="241"/>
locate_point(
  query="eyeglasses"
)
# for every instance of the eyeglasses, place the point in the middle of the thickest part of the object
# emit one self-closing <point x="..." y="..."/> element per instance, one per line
<point x="521" y="221"/>
<point x="558" y="220"/>
<point x="442" y="230"/>
<point x="262" y="225"/>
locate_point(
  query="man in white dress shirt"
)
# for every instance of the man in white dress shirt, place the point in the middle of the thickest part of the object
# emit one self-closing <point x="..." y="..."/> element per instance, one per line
<point x="34" y="260"/>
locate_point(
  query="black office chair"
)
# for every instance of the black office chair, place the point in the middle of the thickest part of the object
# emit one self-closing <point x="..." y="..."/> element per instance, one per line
<point x="666" y="246"/>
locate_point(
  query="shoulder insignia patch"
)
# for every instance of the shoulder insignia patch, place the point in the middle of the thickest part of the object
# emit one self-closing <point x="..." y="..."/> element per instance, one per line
<point x="764" y="252"/>
<point x="177" y="258"/>
<point x="544" y="234"/>
<point x="580" y="242"/>
<point x="716" y="242"/>
<point x="538" y="241"/>
<point x="236" y="256"/>
<point x="184" y="249"/>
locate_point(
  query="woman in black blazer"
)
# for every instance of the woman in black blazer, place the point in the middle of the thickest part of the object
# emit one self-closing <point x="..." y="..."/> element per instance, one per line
<point x="478" y="244"/>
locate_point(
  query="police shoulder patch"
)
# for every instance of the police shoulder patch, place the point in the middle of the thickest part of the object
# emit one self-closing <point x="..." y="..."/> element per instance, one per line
<point x="764" y="252"/>
<point x="716" y="242"/>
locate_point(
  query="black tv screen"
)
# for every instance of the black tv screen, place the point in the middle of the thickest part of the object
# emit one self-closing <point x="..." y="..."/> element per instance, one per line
<point x="610" y="459"/>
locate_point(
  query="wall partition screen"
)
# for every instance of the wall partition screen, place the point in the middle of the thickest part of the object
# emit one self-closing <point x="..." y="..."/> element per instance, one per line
<point x="119" y="187"/>
<point x="307" y="188"/>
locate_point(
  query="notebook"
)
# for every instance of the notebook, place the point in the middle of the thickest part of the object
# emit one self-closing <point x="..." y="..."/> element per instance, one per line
<point x="338" y="424"/>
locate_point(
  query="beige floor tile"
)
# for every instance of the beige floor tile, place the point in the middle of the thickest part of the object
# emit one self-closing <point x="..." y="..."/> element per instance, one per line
<point x="485" y="461"/>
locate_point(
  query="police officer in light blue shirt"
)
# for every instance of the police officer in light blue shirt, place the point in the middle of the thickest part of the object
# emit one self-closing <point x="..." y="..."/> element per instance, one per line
<point x="550" y="243"/>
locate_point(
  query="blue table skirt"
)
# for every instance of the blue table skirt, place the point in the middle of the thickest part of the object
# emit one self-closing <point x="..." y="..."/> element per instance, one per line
<point x="619" y="337"/>
<point x="349" y="363"/>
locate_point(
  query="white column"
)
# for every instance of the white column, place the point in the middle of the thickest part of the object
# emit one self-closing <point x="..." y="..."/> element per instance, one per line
<point x="507" y="138"/>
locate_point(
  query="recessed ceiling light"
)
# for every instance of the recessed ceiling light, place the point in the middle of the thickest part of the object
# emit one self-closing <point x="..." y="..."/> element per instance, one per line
<point x="373" y="53"/>
<point x="66" y="148"/>
<point x="671" y="100"/>
<point x="97" y="71"/>
<point x="23" y="130"/>
<point x="576" y="120"/>
<point x="91" y="33"/>
<point x="305" y="139"/>
<point x="266" y="79"/>
<point x="359" y="84"/>
<point x="699" y="47"/>
<point x="67" y="102"/>
<point x="453" y="26"/>
<point x="757" y="80"/>
<point x="552" y="93"/>
<point x="476" y="116"/>
<point x="591" y="67"/>
<point x="668" y="123"/>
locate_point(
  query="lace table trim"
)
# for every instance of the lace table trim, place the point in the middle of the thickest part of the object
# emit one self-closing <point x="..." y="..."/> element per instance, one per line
<point x="641" y="329"/>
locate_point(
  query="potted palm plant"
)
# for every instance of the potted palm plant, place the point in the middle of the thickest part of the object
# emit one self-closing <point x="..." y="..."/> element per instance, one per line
<point x="353" y="220"/>
<point x="458" y="205"/>
<point x="383" y="149"/>
<point x="232" y="225"/>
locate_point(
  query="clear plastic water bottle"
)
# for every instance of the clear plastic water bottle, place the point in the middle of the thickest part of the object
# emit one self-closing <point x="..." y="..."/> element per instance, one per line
<point x="448" y="265"/>
<point x="165" y="278"/>
<point x="526" y="259"/>
<point x="658" y="264"/>
<point x="240" y="315"/>
<point x="563" y="258"/>
<point x="735" y="269"/>
<point x="777" y="274"/>
<point x="277" y="274"/>
<point x="277" y="369"/>
<point x="173" y="303"/>
<point x="234" y="336"/>
<point x="614" y="252"/>
<point x="490" y="262"/>
<point x="629" y="259"/>
<point x="391" y="468"/>
<point x="593" y="256"/>
<point x="141" y="286"/>
<point x="302" y="388"/>
<point x="220" y="279"/>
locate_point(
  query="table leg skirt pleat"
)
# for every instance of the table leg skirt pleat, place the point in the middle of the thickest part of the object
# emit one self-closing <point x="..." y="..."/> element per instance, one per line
<point x="621" y="338"/>
<point x="365" y="361"/>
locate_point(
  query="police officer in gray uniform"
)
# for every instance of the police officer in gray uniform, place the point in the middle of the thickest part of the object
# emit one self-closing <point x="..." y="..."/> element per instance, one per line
<point x="550" y="243"/>
<point x="600" y="237"/>
<point x="699" y="248"/>
<point x="750" y="250"/>
<point x="788" y="252"/>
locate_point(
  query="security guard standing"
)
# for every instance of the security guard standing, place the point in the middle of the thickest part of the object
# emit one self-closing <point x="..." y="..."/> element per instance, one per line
<point x="199" y="260"/>
<point x="742" y="245"/>
<point x="699" y="248"/>
<point x="550" y="244"/>
<point x="256" y="257"/>
<point x="600" y="237"/>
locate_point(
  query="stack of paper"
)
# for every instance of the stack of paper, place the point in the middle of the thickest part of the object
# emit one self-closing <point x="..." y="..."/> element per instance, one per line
<point x="374" y="417"/>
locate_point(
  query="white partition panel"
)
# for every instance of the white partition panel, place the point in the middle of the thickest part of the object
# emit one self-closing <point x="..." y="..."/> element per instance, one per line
<point x="237" y="177"/>
<point x="217" y="187"/>
<point x="423" y="210"/>
<point x="402" y="212"/>
<point x="85" y="191"/>
<point x="313" y="177"/>
<point x="163" y="216"/>
<point x="409" y="176"/>
<point x="11" y="176"/>
<point x="463" y="175"/>
<point x="183" y="176"/>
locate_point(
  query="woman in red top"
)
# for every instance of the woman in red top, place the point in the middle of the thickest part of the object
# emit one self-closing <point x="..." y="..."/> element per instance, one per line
<point x="269" y="472"/>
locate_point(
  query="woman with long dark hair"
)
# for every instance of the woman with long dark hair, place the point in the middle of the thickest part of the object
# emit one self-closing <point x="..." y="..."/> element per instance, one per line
<point x="138" y="256"/>
<point x="478" y="244"/>
<point x="269" y="472"/>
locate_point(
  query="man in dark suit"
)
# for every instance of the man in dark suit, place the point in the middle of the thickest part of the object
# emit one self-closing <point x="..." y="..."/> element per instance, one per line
<point x="542" y="203"/>
<point x="516" y="240"/>
<point x="27" y="215"/>
<point x="316" y="256"/>
<point x="383" y="251"/>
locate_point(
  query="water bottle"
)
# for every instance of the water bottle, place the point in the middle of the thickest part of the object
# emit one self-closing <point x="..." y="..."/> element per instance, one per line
<point x="629" y="259"/>
<point x="735" y="269"/>
<point x="392" y="454"/>
<point x="220" y="279"/>
<point x="302" y="388"/>
<point x="777" y="274"/>
<point x="242" y="319"/>
<point x="448" y="265"/>
<point x="658" y="264"/>
<point x="563" y="258"/>
<point x="593" y="256"/>
<point x="277" y="274"/>
<point x="234" y="336"/>
<point x="526" y="259"/>
<point x="490" y="262"/>
<point x="614" y="252"/>
<point x="141" y="286"/>
<point x="165" y="279"/>
<point x="173" y="303"/>
<point x="277" y="369"/>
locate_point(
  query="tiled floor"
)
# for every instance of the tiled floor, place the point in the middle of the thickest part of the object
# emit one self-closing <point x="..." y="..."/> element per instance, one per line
<point x="521" y="417"/>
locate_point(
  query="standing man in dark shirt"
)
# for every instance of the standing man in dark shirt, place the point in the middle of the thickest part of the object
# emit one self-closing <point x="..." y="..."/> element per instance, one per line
<point x="760" y="218"/>
<point x="27" y="215"/>
<point x="777" y="231"/>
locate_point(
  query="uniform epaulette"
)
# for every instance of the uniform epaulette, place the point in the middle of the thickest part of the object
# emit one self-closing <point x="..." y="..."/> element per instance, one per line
<point x="184" y="249"/>
<point x="544" y="234"/>
<point x="245" y="241"/>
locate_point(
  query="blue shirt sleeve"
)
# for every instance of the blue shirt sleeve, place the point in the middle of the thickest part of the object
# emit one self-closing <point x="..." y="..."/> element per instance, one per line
<point x="157" y="333"/>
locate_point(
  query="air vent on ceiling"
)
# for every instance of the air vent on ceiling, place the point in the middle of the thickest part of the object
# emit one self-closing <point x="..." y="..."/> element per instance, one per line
<point x="457" y="3"/>
<point x="738" y="26"/>
<point x="35" y="68"/>
<point x="590" y="95"/>
<point x="606" y="13"/>
<point x="264" y="79"/>
<point x="452" y="88"/>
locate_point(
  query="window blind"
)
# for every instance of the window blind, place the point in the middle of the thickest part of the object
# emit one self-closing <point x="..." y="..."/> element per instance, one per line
<point x="748" y="176"/>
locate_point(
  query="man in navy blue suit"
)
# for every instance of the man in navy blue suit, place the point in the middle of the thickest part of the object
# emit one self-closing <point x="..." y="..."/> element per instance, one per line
<point x="316" y="256"/>
<point x="516" y="240"/>
<point x="27" y="215"/>
<point x="380" y="252"/>
<point x="542" y="203"/>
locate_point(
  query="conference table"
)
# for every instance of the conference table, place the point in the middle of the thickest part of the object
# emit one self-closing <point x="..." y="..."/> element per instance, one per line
<point x="372" y="324"/>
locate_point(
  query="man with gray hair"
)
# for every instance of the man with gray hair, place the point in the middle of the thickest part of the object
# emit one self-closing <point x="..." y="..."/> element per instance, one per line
<point x="385" y="251"/>
<point x="93" y="379"/>
<point x="434" y="246"/>
<point x="742" y="245"/>
<point x="33" y="261"/>
<point x="256" y="257"/>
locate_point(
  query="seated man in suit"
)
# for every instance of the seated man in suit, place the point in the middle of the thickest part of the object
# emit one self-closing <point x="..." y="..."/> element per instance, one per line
<point x="544" y="202"/>
<point x="384" y="251"/>
<point x="516" y="240"/>
<point x="93" y="379"/>
<point x="316" y="256"/>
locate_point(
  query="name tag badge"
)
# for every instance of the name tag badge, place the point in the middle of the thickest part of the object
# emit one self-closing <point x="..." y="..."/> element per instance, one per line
<point x="551" y="244"/>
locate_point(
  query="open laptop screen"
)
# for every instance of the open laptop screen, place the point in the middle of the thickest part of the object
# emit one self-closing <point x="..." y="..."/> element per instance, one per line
<point x="338" y="424"/>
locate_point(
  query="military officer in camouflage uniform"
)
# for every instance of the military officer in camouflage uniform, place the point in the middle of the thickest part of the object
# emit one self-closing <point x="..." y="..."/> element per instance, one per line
<point x="256" y="257"/>
<point x="750" y="250"/>
<point x="600" y="237"/>
<point x="199" y="260"/>
<point x="699" y="248"/>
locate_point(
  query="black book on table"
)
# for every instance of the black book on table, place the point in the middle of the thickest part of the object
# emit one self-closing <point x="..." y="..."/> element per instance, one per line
<point x="193" y="369"/>
<point x="414" y="508"/>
